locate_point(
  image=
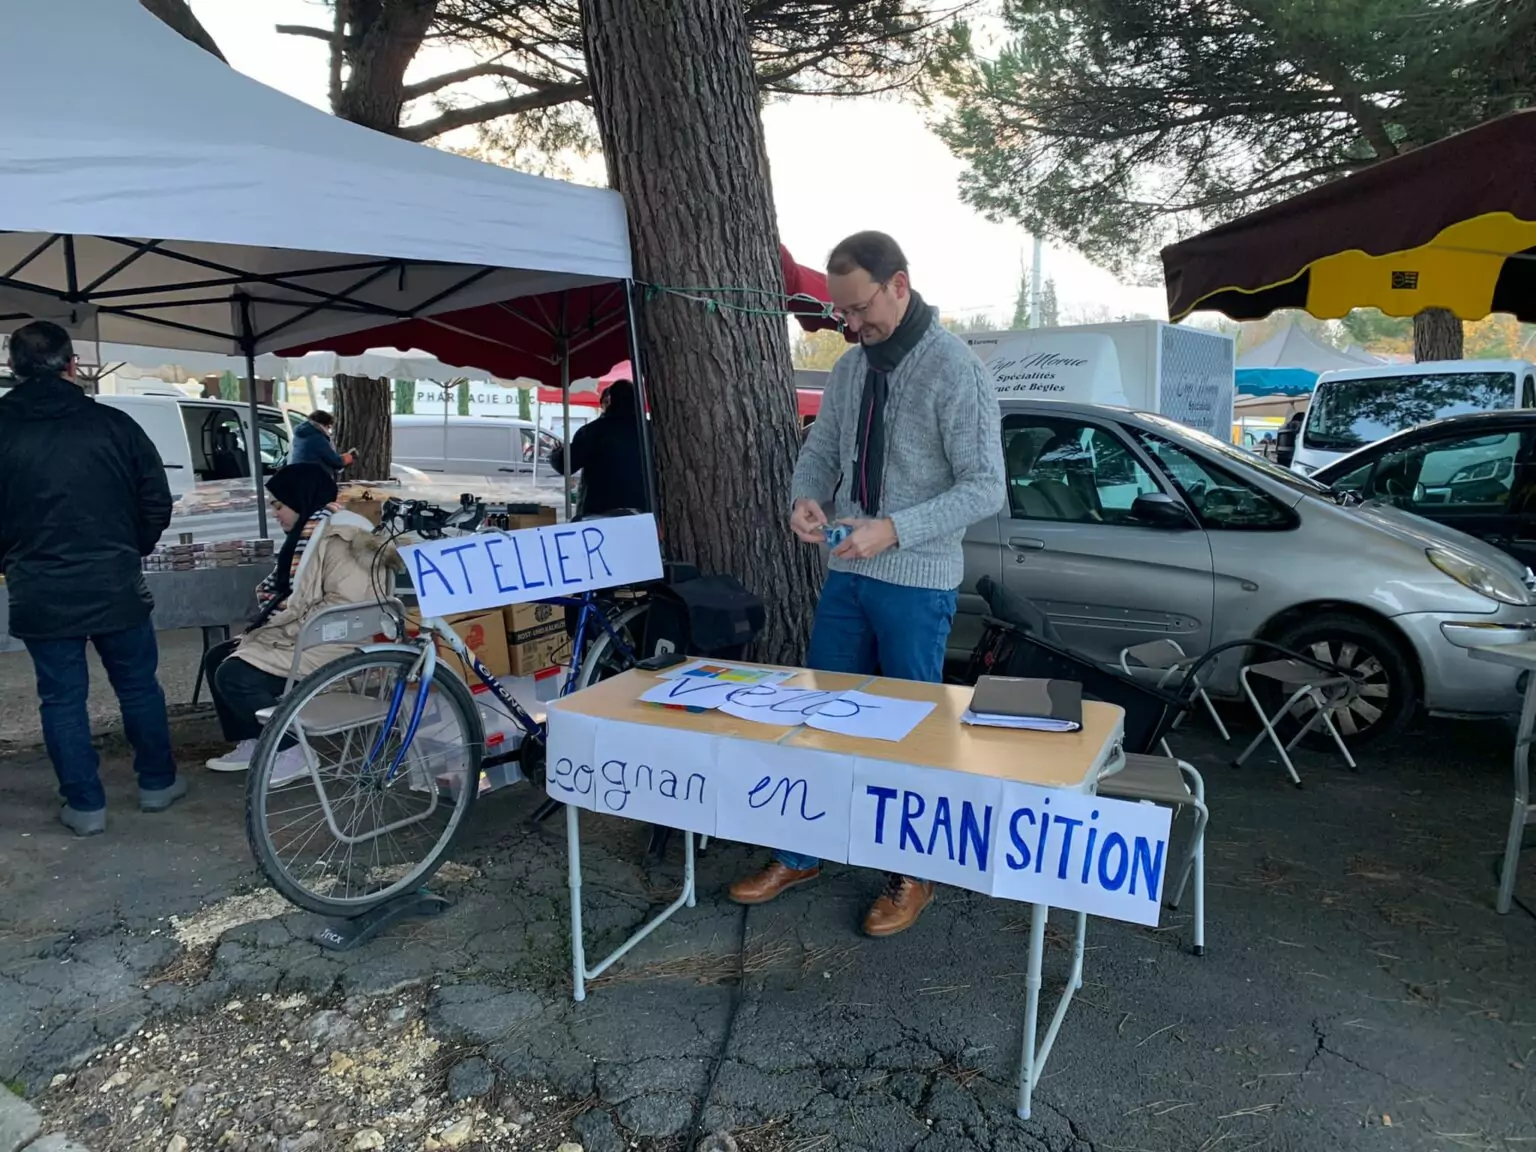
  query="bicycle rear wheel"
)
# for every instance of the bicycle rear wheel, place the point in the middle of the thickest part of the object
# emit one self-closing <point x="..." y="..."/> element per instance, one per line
<point x="341" y="811"/>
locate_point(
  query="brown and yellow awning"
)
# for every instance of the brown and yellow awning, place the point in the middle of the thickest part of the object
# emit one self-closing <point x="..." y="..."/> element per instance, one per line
<point x="1450" y="225"/>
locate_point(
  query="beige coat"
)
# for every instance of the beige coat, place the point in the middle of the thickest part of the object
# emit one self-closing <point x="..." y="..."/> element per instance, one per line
<point x="337" y="567"/>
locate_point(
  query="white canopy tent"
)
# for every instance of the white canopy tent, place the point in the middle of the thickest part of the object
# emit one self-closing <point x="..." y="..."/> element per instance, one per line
<point x="1292" y="347"/>
<point x="180" y="203"/>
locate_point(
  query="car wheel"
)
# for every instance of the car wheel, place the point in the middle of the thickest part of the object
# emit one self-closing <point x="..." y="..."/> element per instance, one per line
<point x="1389" y="696"/>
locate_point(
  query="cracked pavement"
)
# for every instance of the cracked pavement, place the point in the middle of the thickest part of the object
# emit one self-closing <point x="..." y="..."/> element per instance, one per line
<point x="1358" y="991"/>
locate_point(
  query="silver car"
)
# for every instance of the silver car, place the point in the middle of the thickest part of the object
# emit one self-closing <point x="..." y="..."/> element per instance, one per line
<point x="1126" y="527"/>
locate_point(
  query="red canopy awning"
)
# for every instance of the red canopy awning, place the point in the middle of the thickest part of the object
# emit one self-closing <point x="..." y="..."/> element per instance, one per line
<point x="522" y="338"/>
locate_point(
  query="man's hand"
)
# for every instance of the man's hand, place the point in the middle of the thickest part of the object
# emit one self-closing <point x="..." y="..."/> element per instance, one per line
<point x="868" y="539"/>
<point x="807" y="521"/>
<point x="349" y="457"/>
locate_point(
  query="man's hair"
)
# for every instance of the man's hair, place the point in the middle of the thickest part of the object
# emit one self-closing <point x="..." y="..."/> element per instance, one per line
<point x="621" y="397"/>
<point x="321" y="417"/>
<point x="874" y="252"/>
<point x="41" y="348"/>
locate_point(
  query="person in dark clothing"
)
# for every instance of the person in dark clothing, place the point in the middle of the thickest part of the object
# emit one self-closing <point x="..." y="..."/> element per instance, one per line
<point x="312" y="444"/>
<point x="607" y="454"/>
<point x="83" y="498"/>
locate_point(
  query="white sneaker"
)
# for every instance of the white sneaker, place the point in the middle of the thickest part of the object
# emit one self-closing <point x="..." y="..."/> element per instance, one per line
<point x="237" y="760"/>
<point x="290" y="766"/>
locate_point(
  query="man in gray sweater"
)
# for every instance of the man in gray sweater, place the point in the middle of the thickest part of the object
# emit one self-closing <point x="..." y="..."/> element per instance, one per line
<point x="906" y="452"/>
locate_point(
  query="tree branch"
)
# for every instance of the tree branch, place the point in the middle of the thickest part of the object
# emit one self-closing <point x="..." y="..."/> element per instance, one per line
<point x="473" y="72"/>
<point x="325" y="34"/>
<point x="454" y="118"/>
<point x="178" y="16"/>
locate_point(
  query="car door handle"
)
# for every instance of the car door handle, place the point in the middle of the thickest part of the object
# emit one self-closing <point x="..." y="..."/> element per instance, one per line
<point x="1025" y="544"/>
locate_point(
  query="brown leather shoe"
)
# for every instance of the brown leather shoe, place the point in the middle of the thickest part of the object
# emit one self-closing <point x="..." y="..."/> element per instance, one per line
<point x="899" y="906"/>
<point x="772" y="882"/>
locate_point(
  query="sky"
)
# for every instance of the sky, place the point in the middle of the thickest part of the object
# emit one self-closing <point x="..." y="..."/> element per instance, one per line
<point x="820" y="152"/>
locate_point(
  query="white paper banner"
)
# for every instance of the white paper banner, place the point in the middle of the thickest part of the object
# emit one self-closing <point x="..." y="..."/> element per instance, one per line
<point x="658" y="775"/>
<point x="787" y="798"/>
<point x="1092" y="854"/>
<point x="925" y="822"/>
<point x="568" y="775"/>
<point x="490" y="569"/>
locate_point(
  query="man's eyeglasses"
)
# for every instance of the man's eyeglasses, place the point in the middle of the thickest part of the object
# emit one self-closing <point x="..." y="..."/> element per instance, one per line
<point x="856" y="311"/>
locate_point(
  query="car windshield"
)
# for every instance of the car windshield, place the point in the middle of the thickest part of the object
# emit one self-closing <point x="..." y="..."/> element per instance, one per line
<point x="1349" y="414"/>
<point x="1234" y="455"/>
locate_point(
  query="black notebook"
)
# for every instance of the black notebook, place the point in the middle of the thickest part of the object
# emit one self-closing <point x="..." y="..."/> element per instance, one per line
<point x="1014" y="702"/>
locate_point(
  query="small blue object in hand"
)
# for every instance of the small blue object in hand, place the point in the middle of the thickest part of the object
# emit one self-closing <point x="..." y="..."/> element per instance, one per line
<point x="836" y="533"/>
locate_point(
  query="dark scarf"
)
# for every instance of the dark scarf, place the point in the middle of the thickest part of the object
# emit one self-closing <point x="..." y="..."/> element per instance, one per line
<point x="307" y="489"/>
<point x="882" y="359"/>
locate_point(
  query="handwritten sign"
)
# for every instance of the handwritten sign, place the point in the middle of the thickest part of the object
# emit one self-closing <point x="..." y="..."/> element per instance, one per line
<point x="870" y="717"/>
<point x="786" y="798"/>
<point x="490" y="569"/>
<point x="658" y="775"/>
<point x="767" y="704"/>
<point x="1093" y="854"/>
<point x="1014" y="841"/>
<point x="690" y="692"/>
<point x="924" y="822"/>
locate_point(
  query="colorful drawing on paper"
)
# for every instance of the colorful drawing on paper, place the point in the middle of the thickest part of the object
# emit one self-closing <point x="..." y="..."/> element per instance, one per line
<point x="738" y="675"/>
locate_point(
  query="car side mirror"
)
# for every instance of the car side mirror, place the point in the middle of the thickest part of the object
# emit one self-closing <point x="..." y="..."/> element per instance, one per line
<point x="1159" y="510"/>
<point x="1285" y="445"/>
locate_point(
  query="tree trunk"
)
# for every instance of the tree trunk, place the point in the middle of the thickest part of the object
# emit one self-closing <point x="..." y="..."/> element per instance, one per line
<point x="383" y="37"/>
<point x="1437" y="335"/>
<point x="362" y="422"/>
<point x="677" y="109"/>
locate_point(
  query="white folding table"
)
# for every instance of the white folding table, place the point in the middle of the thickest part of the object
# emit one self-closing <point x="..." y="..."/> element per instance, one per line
<point x="1522" y="656"/>
<point x="1070" y="761"/>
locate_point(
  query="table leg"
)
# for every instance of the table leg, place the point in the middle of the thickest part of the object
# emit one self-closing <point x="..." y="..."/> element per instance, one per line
<point x="1034" y="1058"/>
<point x="573" y="865"/>
<point x="212" y="634"/>
<point x="1037" y="918"/>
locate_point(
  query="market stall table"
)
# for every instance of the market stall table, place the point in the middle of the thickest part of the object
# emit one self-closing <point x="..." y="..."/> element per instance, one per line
<point x="1523" y="657"/>
<point x="581" y="774"/>
<point x="207" y="598"/>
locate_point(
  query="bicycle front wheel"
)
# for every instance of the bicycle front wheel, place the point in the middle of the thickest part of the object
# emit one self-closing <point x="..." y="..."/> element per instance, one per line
<point x="345" y="807"/>
<point x="605" y="658"/>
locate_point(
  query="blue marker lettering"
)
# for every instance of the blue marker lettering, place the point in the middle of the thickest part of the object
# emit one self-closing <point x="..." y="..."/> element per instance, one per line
<point x="517" y="547"/>
<point x="1020" y="861"/>
<point x="1045" y="831"/>
<point x="423" y="563"/>
<point x="1112" y="883"/>
<point x="619" y="789"/>
<point x="974" y="835"/>
<point x="490" y="544"/>
<point x="560" y="539"/>
<point x="587" y="535"/>
<point x="1066" y="845"/>
<point x="1145" y="863"/>
<point x="549" y="572"/>
<point x="788" y="787"/>
<point x="909" y="814"/>
<point x="941" y="820"/>
<point x="457" y="552"/>
<point x="1093" y="835"/>
<point x="881" y="795"/>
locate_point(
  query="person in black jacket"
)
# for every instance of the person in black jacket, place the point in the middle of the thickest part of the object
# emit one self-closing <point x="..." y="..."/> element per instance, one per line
<point x="607" y="454"/>
<point x="83" y="498"/>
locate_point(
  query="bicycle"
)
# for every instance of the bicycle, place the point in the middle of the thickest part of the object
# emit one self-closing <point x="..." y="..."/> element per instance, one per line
<point x="368" y="767"/>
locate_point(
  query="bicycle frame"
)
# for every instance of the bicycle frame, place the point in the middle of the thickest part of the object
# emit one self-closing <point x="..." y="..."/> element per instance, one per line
<point x="438" y="628"/>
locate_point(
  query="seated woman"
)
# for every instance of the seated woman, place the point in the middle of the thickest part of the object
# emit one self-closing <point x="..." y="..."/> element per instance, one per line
<point x="329" y="557"/>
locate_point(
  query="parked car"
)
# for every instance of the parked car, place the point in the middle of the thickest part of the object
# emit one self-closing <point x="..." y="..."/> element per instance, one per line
<point x="1476" y="474"/>
<point x="1126" y="527"/>
<point x="470" y="445"/>
<point x="205" y="439"/>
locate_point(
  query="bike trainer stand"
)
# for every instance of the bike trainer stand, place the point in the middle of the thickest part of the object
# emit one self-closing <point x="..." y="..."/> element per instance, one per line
<point x="343" y="935"/>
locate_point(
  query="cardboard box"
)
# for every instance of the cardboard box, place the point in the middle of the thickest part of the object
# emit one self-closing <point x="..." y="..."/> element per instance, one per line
<point x="483" y="633"/>
<point x="544" y="516"/>
<point x="535" y="636"/>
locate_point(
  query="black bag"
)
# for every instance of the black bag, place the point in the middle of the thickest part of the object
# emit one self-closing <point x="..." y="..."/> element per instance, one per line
<point x="707" y="616"/>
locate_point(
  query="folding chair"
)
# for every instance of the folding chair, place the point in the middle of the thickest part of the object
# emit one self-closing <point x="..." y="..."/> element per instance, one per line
<point x="332" y="713"/>
<point x="1326" y="689"/>
<point x="1164" y="665"/>
<point x="1167" y="780"/>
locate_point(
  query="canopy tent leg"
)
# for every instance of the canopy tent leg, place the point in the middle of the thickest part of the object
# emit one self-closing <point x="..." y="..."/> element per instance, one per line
<point x="565" y="409"/>
<point x="647" y="455"/>
<point x="253" y="440"/>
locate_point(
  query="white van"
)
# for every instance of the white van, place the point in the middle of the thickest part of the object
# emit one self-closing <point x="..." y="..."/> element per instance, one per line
<point x="1353" y="407"/>
<point x="205" y="439"/>
<point x="1173" y="370"/>
<point x="470" y="445"/>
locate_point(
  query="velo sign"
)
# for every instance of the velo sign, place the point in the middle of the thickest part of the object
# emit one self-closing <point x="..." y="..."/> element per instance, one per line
<point x="493" y="569"/>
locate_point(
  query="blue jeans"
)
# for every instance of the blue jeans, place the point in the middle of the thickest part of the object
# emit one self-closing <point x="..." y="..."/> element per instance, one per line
<point x="131" y="658"/>
<point x="865" y="626"/>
